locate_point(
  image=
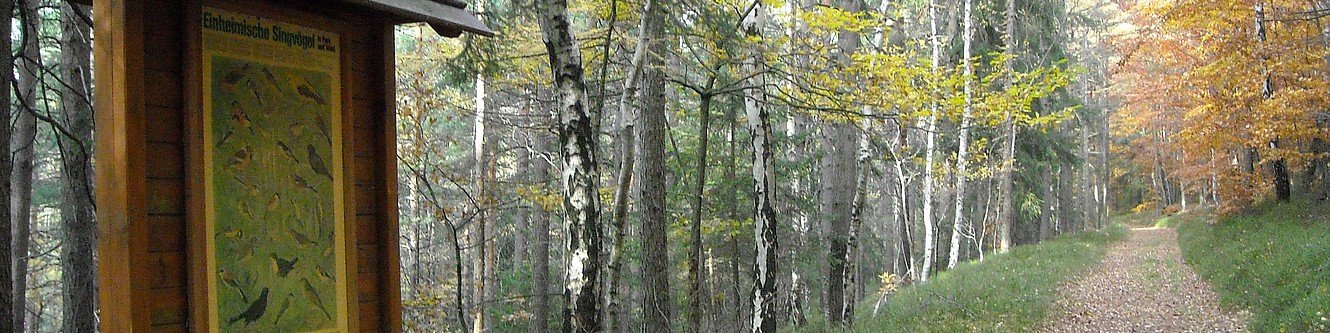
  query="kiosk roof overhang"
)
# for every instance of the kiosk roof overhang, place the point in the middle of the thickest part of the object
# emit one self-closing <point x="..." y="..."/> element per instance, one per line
<point x="447" y="17"/>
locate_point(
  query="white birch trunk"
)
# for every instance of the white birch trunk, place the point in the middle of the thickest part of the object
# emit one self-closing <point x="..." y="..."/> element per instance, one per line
<point x="580" y="176"/>
<point x="963" y="153"/>
<point x="930" y="150"/>
<point x="765" y="268"/>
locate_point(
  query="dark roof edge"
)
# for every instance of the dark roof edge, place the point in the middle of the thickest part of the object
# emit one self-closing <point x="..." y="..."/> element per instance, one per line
<point x="454" y="3"/>
<point x="447" y="19"/>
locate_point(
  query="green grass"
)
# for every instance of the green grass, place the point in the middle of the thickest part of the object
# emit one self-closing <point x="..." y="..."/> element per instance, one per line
<point x="1273" y="261"/>
<point x="1005" y="293"/>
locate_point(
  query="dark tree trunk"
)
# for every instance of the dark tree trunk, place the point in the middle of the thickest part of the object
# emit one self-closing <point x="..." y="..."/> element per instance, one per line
<point x="1283" y="184"/>
<point x="76" y="210"/>
<point x="540" y="255"/>
<point x="7" y="293"/>
<point x="25" y="135"/>
<point x="731" y="200"/>
<point x="695" y="232"/>
<point x="581" y="179"/>
<point x="655" y="217"/>
<point x="839" y="188"/>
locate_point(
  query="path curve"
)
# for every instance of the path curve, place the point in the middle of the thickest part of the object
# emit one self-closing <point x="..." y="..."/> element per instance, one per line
<point x="1142" y="286"/>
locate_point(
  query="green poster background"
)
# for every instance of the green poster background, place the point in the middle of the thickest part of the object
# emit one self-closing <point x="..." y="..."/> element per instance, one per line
<point x="273" y="169"/>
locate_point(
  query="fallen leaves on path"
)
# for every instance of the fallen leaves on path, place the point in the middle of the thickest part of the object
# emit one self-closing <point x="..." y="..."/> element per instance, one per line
<point x="1142" y="286"/>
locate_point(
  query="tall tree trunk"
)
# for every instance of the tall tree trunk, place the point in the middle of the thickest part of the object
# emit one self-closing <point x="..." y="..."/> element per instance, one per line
<point x="860" y="202"/>
<point x="482" y="228"/>
<point x="930" y="150"/>
<point x="765" y="268"/>
<point x="839" y="170"/>
<point x="580" y="176"/>
<point x="7" y="293"/>
<point x="695" y="232"/>
<point x="540" y="256"/>
<point x="901" y="205"/>
<point x="25" y="135"/>
<point x="963" y="153"/>
<point x="731" y="200"/>
<point x="627" y="158"/>
<point x="655" y="216"/>
<point x="76" y="209"/>
<point x="1005" y="209"/>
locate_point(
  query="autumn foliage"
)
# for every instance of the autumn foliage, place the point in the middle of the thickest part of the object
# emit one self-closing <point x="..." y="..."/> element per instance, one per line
<point x="1196" y="112"/>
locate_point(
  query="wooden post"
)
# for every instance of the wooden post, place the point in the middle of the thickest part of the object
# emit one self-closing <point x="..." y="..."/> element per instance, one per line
<point x="120" y="164"/>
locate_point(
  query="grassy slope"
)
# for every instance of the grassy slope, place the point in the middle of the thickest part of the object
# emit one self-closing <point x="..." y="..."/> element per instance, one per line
<point x="1010" y="292"/>
<point x="1274" y="261"/>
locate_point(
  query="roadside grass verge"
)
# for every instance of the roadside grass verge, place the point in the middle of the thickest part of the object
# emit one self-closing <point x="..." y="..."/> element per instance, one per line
<point x="1273" y="260"/>
<point x="1010" y="292"/>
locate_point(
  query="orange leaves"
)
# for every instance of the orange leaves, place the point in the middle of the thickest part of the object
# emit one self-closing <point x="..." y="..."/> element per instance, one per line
<point x="1193" y="89"/>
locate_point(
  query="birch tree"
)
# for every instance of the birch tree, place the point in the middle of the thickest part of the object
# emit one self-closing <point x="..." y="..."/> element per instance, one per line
<point x="580" y="176"/>
<point x="930" y="149"/>
<point x="962" y="153"/>
<point x="765" y="268"/>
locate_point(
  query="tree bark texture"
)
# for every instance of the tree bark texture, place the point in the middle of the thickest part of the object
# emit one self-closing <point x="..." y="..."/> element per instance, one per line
<point x="76" y="211"/>
<point x="580" y="176"/>
<point x="765" y="269"/>
<point x="657" y="307"/>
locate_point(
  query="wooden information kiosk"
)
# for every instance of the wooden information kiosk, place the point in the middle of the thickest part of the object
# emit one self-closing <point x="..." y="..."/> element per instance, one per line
<point x="246" y="162"/>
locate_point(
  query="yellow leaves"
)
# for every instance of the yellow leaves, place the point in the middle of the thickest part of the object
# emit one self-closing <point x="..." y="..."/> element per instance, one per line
<point x="546" y="199"/>
<point x="826" y="19"/>
<point x="890" y="283"/>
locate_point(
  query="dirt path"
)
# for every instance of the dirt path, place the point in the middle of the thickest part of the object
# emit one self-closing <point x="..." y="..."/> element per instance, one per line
<point x="1142" y="286"/>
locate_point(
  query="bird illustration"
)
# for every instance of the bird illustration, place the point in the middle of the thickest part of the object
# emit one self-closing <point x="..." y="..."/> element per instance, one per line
<point x="300" y="181"/>
<point x="226" y="134"/>
<point x="316" y="162"/>
<point x="302" y="239"/>
<point x="283" y="267"/>
<point x="240" y="117"/>
<point x="255" y="310"/>
<point x="231" y="280"/>
<point x="272" y="79"/>
<point x="247" y="250"/>
<point x="323" y="126"/>
<point x="234" y="233"/>
<point x="276" y="200"/>
<point x="286" y="150"/>
<point x="323" y="274"/>
<point x="232" y="77"/>
<point x="241" y="159"/>
<point x="308" y="92"/>
<point x="253" y="189"/>
<point x="244" y="209"/>
<point x="254" y="90"/>
<point x="313" y="297"/>
<point x="286" y="303"/>
<point x="273" y="202"/>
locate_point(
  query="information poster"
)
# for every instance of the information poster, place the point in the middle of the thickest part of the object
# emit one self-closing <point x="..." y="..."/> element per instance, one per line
<point x="274" y="180"/>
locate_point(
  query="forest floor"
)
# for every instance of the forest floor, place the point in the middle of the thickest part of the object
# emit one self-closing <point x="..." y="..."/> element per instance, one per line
<point x="1142" y="285"/>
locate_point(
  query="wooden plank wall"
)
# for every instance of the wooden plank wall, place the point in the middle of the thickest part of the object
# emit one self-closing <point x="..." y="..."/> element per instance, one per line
<point x="166" y="159"/>
<point x="170" y="150"/>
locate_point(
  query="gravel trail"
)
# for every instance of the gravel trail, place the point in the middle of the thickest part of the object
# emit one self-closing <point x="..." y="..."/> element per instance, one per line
<point x="1142" y="286"/>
